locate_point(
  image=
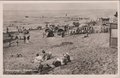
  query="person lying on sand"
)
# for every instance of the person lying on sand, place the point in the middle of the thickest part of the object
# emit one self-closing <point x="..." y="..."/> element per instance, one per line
<point x="62" y="60"/>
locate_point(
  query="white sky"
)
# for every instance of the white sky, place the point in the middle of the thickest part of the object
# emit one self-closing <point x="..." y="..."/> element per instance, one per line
<point x="60" y="6"/>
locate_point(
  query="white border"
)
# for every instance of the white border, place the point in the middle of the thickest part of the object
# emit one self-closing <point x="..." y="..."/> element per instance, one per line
<point x="118" y="39"/>
<point x="56" y="1"/>
<point x="1" y="37"/>
<point x="50" y="76"/>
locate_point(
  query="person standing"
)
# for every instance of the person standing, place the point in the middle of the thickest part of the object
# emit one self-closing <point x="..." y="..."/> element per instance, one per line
<point x="44" y="34"/>
<point x="24" y="37"/>
<point x="28" y="38"/>
<point x="63" y="33"/>
<point x="10" y="41"/>
<point x="7" y="30"/>
<point x="17" y="42"/>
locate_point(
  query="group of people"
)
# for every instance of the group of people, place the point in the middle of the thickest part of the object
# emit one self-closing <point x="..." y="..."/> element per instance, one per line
<point x="16" y="38"/>
<point x="43" y="57"/>
<point x="40" y="59"/>
<point x="10" y="42"/>
<point x="24" y="35"/>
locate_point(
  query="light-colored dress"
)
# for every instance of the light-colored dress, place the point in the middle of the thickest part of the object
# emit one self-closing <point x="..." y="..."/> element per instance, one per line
<point x="38" y="59"/>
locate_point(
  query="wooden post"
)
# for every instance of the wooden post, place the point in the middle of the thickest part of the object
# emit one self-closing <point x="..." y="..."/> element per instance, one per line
<point x="113" y="39"/>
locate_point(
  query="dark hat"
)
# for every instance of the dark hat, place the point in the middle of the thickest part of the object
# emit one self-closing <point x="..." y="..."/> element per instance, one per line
<point x="37" y="54"/>
<point x="43" y="51"/>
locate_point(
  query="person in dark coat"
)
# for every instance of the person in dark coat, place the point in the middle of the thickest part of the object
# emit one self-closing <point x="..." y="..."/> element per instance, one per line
<point x="56" y="63"/>
<point x="7" y="30"/>
<point x="63" y="34"/>
<point x="16" y="38"/>
<point x="28" y="38"/>
<point x="24" y="39"/>
<point x="50" y="33"/>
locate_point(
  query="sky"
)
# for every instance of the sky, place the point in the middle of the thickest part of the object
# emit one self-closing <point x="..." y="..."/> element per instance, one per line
<point x="60" y="6"/>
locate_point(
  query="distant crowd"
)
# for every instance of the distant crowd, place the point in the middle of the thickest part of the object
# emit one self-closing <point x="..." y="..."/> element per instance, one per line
<point x="17" y="36"/>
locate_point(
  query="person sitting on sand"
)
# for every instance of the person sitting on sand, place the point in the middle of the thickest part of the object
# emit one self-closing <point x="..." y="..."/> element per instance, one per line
<point x="38" y="59"/>
<point x="67" y="56"/>
<point x="46" y="56"/>
<point x="38" y="63"/>
<point x="49" y="55"/>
